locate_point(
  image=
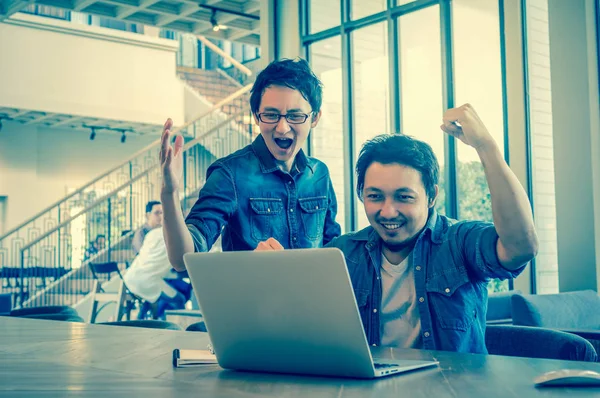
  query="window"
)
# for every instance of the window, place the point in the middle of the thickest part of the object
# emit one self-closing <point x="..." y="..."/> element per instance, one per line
<point x="327" y="140"/>
<point x="364" y="8"/>
<point x="421" y="83"/>
<point x="324" y="14"/>
<point x="371" y="90"/>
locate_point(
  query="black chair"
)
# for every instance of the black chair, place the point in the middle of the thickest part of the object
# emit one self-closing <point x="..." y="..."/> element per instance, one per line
<point x="44" y="310"/>
<point x="197" y="327"/>
<point x="145" y="323"/>
<point x="533" y="342"/>
<point x="124" y="299"/>
<point x="6" y="303"/>
<point x="499" y="310"/>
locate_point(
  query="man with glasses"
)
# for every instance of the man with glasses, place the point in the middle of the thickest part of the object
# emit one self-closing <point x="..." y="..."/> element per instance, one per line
<point x="269" y="188"/>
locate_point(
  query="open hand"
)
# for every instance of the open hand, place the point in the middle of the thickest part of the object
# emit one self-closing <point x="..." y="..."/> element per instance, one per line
<point x="171" y="159"/>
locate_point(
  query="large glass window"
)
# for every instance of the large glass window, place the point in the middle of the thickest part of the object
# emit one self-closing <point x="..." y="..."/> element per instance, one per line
<point x="327" y="141"/>
<point x="478" y="77"/>
<point x="371" y="90"/>
<point x="324" y="14"/>
<point x="413" y="96"/>
<point x="421" y="83"/>
<point x="364" y="8"/>
<point x="478" y="81"/>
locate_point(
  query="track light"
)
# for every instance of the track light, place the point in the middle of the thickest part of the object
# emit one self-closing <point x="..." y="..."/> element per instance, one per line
<point x="213" y="21"/>
<point x="123" y="137"/>
<point x="93" y="134"/>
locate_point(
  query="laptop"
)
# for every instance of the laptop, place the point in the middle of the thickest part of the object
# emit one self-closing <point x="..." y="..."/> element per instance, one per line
<point x="290" y="311"/>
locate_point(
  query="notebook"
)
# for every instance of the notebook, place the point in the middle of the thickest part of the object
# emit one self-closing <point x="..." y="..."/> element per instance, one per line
<point x="188" y="358"/>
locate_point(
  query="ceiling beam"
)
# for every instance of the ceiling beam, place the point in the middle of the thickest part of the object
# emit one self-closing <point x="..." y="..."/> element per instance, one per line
<point x="184" y="11"/>
<point x="126" y="11"/>
<point x="41" y="118"/>
<point x="69" y="120"/>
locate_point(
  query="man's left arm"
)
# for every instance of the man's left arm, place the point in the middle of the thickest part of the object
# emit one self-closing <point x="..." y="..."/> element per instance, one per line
<point x="513" y="219"/>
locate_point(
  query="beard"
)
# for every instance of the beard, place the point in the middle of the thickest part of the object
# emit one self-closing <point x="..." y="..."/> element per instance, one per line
<point x="400" y="246"/>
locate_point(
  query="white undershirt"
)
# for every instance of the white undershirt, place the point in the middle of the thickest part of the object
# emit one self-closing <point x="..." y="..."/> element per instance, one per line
<point x="400" y="320"/>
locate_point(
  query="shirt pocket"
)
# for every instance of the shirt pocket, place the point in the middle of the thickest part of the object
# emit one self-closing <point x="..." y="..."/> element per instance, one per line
<point x="313" y="211"/>
<point x="265" y="218"/>
<point x="452" y="297"/>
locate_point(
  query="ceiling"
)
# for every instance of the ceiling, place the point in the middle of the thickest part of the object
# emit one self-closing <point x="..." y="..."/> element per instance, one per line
<point x="47" y="119"/>
<point x="241" y="17"/>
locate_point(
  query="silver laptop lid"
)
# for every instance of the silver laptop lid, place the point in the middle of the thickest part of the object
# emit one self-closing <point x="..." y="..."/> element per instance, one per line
<point x="291" y="311"/>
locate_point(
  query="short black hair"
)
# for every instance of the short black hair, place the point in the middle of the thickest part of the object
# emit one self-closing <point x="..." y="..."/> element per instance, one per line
<point x="401" y="149"/>
<point x="151" y="204"/>
<point x="293" y="73"/>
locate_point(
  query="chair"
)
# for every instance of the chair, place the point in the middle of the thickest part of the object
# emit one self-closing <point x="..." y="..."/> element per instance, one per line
<point x="499" y="311"/>
<point x="44" y="310"/>
<point x="6" y="303"/>
<point x="579" y="310"/>
<point x="123" y="298"/>
<point x="572" y="312"/>
<point x="146" y="323"/>
<point x="197" y="327"/>
<point x="533" y="342"/>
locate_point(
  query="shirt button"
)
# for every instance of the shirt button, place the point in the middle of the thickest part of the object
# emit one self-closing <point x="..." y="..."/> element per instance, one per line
<point x="447" y="290"/>
<point x="426" y="334"/>
<point x="295" y="239"/>
<point x="289" y="183"/>
<point x="268" y="210"/>
<point x="418" y="268"/>
<point x="291" y="210"/>
<point x="421" y="299"/>
<point x="374" y="310"/>
<point x="374" y="345"/>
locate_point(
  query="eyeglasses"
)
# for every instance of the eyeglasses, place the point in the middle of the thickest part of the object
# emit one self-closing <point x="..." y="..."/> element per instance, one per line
<point x="291" y="118"/>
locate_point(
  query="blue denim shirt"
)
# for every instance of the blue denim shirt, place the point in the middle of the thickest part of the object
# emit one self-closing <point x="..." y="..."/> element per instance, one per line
<point x="453" y="263"/>
<point x="248" y="199"/>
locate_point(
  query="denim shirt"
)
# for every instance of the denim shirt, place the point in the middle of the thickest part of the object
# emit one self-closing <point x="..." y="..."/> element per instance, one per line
<point x="248" y="199"/>
<point x="453" y="263"/>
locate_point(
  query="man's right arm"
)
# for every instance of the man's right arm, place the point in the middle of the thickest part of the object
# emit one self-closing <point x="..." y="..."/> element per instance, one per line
<point x="177" y="236"/>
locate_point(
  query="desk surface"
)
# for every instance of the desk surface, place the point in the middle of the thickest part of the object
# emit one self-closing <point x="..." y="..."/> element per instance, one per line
<point x="62" y="358"/>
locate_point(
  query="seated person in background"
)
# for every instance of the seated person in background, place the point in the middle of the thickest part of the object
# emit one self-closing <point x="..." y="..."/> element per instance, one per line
<point x="269" y="188"/>
<point x="151" y="277"/>
<point x="96" y="246"/>
<point x="420" y="278"/>
<point x="154" y="219"/>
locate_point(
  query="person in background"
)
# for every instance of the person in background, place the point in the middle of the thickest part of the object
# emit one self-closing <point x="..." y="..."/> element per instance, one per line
<point x="154" y="219"/>
<point x="96" y="246"/>
<point x="151" y="278"/>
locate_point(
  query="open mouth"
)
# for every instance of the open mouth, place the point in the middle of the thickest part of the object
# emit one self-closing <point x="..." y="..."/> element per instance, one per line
<point x="391" y="226"/>
<point x="284" y="143"/>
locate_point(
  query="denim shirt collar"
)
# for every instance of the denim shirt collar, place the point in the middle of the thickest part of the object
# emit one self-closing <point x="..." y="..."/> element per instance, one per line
<point x="373" y="240"/>
<point x="267" y="162"/>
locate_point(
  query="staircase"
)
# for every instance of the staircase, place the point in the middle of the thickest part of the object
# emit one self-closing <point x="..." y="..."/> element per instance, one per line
<point x="42" y="261"/>
<point x="214" y="85"/>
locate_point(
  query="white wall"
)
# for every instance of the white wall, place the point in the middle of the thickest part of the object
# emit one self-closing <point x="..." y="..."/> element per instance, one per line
<point x="39" y="165"/>
<point x="56" y="66"/>
<point x="574" y="116"/>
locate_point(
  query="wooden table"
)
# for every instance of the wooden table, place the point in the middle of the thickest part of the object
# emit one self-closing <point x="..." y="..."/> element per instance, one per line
<point x="48" y="358"/>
